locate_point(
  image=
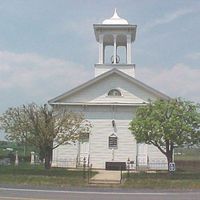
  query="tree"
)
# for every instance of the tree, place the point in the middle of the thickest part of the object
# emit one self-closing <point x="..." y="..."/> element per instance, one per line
<point x="44" y="127"/>
<point x="166" y="124"/>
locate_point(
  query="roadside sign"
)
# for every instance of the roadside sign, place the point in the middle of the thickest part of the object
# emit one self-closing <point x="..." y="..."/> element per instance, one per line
<point x="172" y="167"/>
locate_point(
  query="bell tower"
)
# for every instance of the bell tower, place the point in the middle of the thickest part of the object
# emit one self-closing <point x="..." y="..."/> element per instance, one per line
<point x="115" y="37"/>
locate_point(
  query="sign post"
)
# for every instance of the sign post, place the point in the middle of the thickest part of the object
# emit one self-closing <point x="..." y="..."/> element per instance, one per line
<point x="172" y="167"/>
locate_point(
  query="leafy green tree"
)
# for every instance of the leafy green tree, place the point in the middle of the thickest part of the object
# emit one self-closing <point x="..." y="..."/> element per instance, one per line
<point x="166" y="124"/>
<point x="44" y="127"/>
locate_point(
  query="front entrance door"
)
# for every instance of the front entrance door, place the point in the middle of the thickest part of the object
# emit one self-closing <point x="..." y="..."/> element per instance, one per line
<point x="84" y="151"/>
<point x="142" y="155"/>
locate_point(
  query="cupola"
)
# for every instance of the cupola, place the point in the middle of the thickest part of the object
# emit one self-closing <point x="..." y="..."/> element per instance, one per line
<point x="115" y="37"/>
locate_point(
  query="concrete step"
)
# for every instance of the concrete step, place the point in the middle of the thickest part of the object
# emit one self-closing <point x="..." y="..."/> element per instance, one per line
<point x="142" y="168"/>
<point x="104" y="182"/>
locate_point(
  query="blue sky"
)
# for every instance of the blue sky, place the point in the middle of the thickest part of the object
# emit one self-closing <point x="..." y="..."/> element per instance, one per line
<point x="48" y="46"/>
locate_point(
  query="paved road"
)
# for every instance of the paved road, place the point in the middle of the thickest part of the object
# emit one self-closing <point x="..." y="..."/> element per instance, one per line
<point x="33" y="194"/>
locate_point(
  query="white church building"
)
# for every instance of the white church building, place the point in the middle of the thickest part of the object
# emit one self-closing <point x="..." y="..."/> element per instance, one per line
<point x="109" y="101"/>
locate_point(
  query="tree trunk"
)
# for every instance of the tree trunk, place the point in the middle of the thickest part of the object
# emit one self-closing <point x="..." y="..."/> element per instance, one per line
<point x="41" y="153"/>
<point x="169" y="157"/>
<point x="48" y="158"/>
<point x="169" y="151"/>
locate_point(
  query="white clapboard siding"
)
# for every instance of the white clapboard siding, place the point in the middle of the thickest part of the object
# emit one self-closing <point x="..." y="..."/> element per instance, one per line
<point x="157" y="160"/>
<point x="99" y="153"/>
<point x="142" y="154"/>
<point x="101" y="116"/>
<point x="99" y="150"/>
<point x="65" y="155"/>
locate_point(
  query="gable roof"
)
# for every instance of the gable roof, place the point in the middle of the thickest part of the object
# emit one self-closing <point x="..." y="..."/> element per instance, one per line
<point x="104" y="75"/>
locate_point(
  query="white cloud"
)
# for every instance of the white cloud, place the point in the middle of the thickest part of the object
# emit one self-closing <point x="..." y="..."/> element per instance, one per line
<point x="30" y="77"/>
<point x="35" y="75"/>
<point x="82" y="27"/>
<point x="194" y="56"/>
<point x="170" y="17"/>
<point x="178" y="81"/>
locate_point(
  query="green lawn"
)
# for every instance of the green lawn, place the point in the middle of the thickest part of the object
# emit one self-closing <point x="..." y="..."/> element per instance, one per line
<point x="61" y="177"/>
<point x="163" y="180"/>
<point x="37" y="175"/>
<point x="187" y="175"/>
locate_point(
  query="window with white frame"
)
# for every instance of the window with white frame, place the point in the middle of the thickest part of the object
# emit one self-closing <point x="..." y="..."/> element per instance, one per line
<point x="112" y="141"/>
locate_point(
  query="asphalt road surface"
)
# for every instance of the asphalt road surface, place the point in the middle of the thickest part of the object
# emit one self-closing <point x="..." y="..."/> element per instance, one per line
<point x="34" y="194"/>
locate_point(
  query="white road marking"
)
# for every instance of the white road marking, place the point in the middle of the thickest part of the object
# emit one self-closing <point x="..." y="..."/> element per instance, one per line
<point x="20" y="198"/>
<point x="100" y="193"/>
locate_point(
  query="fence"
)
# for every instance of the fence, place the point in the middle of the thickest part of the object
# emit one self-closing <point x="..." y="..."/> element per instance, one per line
<point x="68" y="163"/>
<point x="188" y="165"/>
<point x="158" y="166"/>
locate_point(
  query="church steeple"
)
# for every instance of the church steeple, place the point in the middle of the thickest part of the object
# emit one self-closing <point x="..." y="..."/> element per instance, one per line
<point x="115" y="37"/>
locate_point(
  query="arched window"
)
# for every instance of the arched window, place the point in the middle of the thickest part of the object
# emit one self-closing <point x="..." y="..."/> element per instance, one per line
<point x="114" y="92"/>
<point x="112" y="141"/>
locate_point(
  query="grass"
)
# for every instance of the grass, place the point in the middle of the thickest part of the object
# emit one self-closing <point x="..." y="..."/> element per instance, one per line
<point x="36" y="175"/>
<point x="187" y="175"/>
<point x="61" y="177"/>
<point x="163" y="180"/>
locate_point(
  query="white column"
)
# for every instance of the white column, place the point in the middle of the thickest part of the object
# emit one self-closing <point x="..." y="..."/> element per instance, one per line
<point x="101" y="50"/>
<point x="128" y="49"/>
<point x="104" y="47"/>
<point x="115" y="49"/>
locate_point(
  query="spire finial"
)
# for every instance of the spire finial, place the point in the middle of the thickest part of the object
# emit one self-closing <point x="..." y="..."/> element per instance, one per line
<point x="115" y="19"/>
<point x="115" y="15"/>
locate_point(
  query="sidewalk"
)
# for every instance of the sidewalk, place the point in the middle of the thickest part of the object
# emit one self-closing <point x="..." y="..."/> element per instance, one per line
<point x="106" y="177"/>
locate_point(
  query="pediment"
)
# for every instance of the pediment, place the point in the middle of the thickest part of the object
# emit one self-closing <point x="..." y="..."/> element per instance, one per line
<point x="96" y="91"/>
